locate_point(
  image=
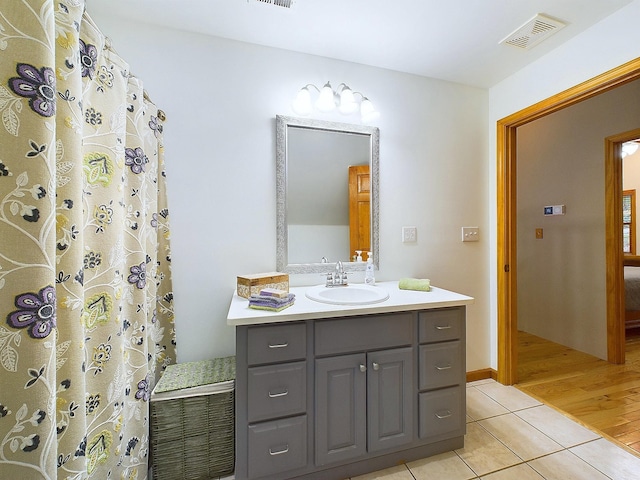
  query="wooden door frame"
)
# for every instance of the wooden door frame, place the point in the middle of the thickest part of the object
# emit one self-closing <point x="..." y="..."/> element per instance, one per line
<point x="507" y="322"/>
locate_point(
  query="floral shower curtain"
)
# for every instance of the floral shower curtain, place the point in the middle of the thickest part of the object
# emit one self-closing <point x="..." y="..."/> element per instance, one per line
<point x="86" y="308"/>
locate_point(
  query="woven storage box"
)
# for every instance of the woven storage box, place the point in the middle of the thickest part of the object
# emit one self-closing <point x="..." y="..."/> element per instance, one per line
<point x="248" y="285"/>
<point x="192" y="421"/>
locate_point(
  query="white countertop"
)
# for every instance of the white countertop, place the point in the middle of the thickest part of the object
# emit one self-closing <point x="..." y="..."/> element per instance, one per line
<point x="304" y="308"/>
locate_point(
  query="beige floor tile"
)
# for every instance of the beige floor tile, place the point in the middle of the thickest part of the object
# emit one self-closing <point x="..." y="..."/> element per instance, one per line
<point x="609" y="459"/>
<point x="565" y="465"/>
<point x="400" y="472"/>
<point x="480" y="406"/>
<point x="555" y="425"/>
<point x="447" y="466"/>
<point x="509" y="397"/>
<point x="519" y="472"/>
<point x="522" y="439"/>
<point x="483" y="453"/>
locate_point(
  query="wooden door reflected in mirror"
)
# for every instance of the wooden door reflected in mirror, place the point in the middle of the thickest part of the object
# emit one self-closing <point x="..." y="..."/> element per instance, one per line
<point x="359" y="209"/>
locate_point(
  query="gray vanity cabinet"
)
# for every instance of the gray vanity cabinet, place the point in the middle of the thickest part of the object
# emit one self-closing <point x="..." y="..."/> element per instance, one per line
<point x="335" y="398"/>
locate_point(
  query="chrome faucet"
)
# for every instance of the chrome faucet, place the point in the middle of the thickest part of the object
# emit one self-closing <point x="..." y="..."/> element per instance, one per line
<point x="338" y="277"/>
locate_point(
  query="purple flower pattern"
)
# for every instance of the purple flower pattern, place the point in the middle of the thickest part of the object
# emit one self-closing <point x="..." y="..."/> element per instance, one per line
<point x="144" y="390"/>
<point x="39" y="86"/>
<point x="155" y="126"/>
<point x="135" y="159"/>
<point x="36" y="311"/>
<point x="138" y="275"/>
<point x="88" y="59"/>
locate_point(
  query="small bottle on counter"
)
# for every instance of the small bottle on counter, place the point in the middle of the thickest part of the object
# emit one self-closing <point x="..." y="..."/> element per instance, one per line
<point x="369" y="274"/>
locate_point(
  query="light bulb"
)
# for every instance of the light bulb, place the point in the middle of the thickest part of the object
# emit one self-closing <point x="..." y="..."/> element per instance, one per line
<point x="302" y="103"/>
<point x="326" y="102"/>
<point x="367" y="111"/>
<point x="348" y="102"/>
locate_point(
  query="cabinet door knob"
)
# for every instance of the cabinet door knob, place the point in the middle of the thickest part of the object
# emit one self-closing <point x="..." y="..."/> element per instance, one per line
<point x="279" y="452"/>
<point x="279" y="345"/>
<point x="376" y="366"/>
<point x="363" y="368"/>
<point x="281" y="394"/>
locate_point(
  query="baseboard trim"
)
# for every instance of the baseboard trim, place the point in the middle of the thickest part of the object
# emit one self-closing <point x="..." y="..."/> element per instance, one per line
<point x="483" y="374"/>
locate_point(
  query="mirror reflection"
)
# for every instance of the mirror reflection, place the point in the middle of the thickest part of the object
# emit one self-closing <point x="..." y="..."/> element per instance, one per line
<point x="327" y="177"/>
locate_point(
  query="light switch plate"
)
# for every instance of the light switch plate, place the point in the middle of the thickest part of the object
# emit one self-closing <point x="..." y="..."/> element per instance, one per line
<point x="470" y="234"/>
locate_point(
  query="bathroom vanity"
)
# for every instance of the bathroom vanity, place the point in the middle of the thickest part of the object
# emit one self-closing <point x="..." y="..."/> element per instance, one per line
<point x="328" y="391"/>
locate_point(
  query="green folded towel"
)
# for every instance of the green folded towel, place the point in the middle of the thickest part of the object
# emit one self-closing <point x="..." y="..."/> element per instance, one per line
<point x="421" y="284"/>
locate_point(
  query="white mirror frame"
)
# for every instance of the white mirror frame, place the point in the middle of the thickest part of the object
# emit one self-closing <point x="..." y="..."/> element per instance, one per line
<point x="282" y="259"/>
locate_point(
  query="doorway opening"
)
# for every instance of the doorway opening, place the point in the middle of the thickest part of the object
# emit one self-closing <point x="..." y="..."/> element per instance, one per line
<point x="507" y="221"/>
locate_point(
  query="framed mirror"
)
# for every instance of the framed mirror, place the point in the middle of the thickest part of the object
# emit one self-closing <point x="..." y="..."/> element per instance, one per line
<point x="327" y="189"/>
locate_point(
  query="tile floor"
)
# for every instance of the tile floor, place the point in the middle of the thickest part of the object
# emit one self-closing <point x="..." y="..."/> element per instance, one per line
<point x="512" y="436"/>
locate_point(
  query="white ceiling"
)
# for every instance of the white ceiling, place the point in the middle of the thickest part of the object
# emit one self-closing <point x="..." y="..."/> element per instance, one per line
<point x="455" y="40"/>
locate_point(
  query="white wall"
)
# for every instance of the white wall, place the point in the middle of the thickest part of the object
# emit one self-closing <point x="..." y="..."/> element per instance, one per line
<point x="562" y="277"/>
<point x="608" y="44"/>
<point x="221" y="98"/>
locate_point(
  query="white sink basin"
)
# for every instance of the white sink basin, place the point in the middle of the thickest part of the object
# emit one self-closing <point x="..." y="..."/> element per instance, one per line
<point x="354" y="294"/>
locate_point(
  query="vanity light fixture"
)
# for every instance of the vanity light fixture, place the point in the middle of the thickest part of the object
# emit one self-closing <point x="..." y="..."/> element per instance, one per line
<point x="343" y="98"/>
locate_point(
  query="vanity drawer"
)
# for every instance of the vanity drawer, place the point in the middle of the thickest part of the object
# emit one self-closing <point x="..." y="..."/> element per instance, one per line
<point x="358" y="334"/>
<point x="440" y="365"/>
<point x="276" y="343"/>
<point x="441" y="325"/>
<point x="277" y="391"/>
<point x="277" y="446"/>
<point x="441" y="413"/>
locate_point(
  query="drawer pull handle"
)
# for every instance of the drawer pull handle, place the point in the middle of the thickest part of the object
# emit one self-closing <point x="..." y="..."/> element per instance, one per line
<point x="445" y="414"/>
<point x="363" y="368"/>
<point x="279" y="452"/>
<point x="281" y="394"/>
<point x="443" y="327"/>
<point x="279" y="345"/>
<point x="446" y="367"/>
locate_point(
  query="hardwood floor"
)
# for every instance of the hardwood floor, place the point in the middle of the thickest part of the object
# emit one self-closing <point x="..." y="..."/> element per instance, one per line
<point x="598" y="394"/>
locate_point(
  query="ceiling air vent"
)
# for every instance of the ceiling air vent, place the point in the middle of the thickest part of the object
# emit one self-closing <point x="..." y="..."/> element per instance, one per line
<point x="277" y="3"/>
<point x="537" y="29"/>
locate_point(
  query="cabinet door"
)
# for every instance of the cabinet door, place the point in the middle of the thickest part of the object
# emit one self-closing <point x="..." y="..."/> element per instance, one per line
<point x="390" y="398"/>
<point x="340" y="408"/>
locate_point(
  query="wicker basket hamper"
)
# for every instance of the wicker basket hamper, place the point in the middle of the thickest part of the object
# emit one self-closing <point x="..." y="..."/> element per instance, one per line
<point x="192" y="431"/>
